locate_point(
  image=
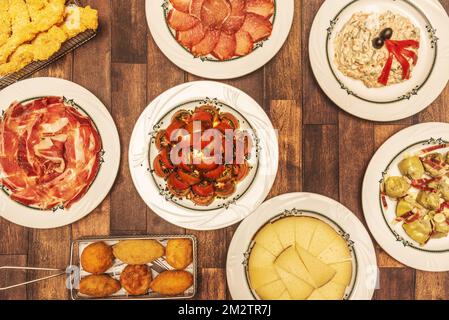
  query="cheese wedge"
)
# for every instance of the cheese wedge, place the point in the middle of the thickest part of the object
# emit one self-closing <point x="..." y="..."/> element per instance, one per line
<point x="271" y="291"/>
<point x="290" y="261"/>
<point x="284" y="296"/>
<point x="344" y="273"/>
<point x="297" y="289"/>
<point x="336" y="252"/>
<point x="285" y="229"/>
<point x="260" y="258"/>
<point x="268" y="239"/>
<point x="333" y="291"/>
<point x="323" y="236"/>
<point x="320" y="272"/>
<point x="316" y="296"/>
<point x="259" y="277"/>
<point x="304" y="230"/>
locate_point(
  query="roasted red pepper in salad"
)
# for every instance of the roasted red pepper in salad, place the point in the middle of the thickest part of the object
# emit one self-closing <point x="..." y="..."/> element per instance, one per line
<point x="399" y="49"/>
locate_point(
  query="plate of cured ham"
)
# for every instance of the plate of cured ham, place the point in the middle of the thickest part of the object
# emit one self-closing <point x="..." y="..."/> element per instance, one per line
<point x="220" y="39"/>
<point x="59" y="152"/>
<point x="203" y="155"/>
<point x="379" y="60"/>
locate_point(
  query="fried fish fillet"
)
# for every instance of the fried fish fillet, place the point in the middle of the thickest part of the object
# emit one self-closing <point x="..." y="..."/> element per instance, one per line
<point x="5" y="22"/>
<point x="99" y="286"/>
<point x="29" y="19"/>
<point x="138" y="251"/>
<point x="172" y="283"/>
<point x="47" y="43"/>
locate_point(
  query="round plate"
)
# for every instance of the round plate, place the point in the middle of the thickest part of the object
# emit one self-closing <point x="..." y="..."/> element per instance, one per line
<point x="235" y="68"/>
<point x="393" y="102"/>
<point x="323" y="208"/>
<point x="250" y="193"/>
<point x="435" y="255"/>
<point x="39" y="87"/>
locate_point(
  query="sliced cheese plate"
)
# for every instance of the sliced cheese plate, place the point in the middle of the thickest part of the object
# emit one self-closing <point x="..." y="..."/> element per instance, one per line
<point x="302" y="246"/>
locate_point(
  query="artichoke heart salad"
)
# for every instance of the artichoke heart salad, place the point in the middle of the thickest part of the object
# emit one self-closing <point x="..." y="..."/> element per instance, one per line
<point x="377" y="49"/>
<point x="421" y="194"/>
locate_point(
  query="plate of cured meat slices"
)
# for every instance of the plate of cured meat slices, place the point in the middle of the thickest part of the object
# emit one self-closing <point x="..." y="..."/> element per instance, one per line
<point x="59" y="153"/>
<point x="220" y="39"/>
<point x="203" y="155"/>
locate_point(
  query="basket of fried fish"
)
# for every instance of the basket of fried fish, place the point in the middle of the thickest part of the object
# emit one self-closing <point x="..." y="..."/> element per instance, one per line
<point x="152" y="268"/>
<point x="35" y="33"/>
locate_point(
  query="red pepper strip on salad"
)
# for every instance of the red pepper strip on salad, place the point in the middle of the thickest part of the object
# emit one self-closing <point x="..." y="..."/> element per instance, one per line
<point x="383" y="79"/>
<point x="398" y="50"/>
<point x="443" y="206"/>
<point x="430" y="149"/>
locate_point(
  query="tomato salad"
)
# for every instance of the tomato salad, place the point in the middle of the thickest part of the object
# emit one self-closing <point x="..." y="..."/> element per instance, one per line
<point x="203" y="173"/>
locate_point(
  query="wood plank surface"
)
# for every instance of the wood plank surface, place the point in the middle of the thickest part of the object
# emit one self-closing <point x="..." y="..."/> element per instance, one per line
<point x="322" y="150"/>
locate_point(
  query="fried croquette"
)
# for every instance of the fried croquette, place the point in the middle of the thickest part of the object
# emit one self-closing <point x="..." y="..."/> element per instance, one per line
<point x="99" y="286"/>
<point x="179" y="253"/>
<point x="138" y="251"/>
<point x="136" y="279"/>
<point x="97" y="258"/>
<point x="172" y="283"/>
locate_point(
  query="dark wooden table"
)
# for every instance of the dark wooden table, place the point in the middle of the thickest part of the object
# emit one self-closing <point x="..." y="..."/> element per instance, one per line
<point x="322" y="150"/>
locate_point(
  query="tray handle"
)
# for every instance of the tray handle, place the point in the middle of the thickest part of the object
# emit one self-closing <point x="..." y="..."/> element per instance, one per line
<point x="60" y="273"/>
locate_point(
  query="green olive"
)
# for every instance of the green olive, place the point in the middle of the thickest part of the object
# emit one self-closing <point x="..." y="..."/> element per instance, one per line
<point x="396" y="187"/>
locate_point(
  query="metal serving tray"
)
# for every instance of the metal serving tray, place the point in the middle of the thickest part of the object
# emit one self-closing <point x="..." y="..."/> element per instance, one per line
<point x="157" y="267"/>
<point x="33" y="67"/>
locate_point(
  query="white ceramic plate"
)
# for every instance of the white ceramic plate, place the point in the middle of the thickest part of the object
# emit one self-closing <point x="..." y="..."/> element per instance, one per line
<point x="250" y="193"/>
<point x="39" y="87"/>
<point x="393" y="102"/>
<point x="435" y="255"/>
<point x="165" y="40"/>
<point x="307" y="204"/>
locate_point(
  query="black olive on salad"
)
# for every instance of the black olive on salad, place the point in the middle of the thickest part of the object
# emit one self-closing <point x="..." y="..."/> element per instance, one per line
<point x="378" y="43"/>
<point x="386" y="34"/>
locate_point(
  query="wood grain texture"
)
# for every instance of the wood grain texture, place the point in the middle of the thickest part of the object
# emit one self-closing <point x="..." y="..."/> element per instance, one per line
<point x="322" y="150"/>
<point x="13" y="277"/>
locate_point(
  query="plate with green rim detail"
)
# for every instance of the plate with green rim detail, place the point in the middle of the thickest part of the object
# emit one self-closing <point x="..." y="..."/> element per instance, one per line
<point x="400" y="98"/>
<point x="209" y="67"/>
<point x="380" y="216"/>
<point x="338" y="217"/>
<point x="88" y="105"/>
